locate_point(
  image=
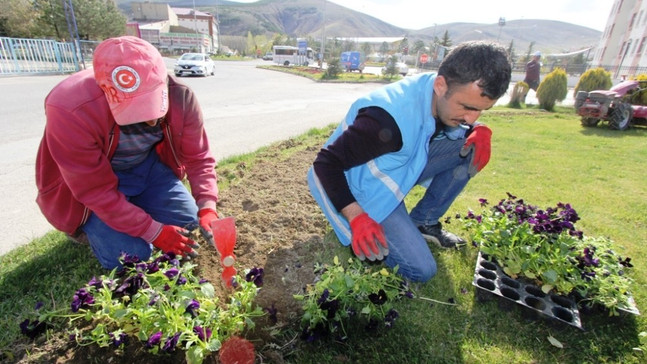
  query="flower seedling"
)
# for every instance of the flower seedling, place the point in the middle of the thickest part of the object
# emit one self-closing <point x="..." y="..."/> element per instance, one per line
<point x="543" y="246"/>
<point x="343" y="293"/>
<point x="160" y="303"/>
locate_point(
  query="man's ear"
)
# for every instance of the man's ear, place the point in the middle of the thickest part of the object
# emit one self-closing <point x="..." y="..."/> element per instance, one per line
<point x="440" y="86"/>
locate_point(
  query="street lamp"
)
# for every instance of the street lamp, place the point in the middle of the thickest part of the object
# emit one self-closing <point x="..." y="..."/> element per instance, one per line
<point x="501" y="24"/>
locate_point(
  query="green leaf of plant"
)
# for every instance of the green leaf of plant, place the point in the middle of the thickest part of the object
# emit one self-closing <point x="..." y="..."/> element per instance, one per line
<point x="194" y="355"/>
<point x="546" y="288"/>
<point x="119" y="313"/>
<point x="214" y="345"/>
<point x="550" y="276"/>
<point x="366" y="310"/>
<point x="208" y="290"/>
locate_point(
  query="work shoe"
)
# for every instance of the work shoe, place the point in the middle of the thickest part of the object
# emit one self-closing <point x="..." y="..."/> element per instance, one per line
<point x="440" y="237"/>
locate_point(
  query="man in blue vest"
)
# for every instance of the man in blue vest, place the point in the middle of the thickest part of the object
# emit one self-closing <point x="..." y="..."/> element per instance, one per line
<point x="420" y="130"/>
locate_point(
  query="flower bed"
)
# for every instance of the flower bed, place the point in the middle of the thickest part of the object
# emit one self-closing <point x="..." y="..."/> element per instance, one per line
<point x="544" y="247"/>
<point x="161" y="303"/>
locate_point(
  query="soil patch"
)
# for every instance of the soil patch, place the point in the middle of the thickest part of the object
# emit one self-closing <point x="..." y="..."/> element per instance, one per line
<point x="279" y="228"/>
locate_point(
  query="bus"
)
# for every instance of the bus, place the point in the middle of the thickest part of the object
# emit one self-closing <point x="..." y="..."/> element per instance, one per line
<point x="289" y="55"/>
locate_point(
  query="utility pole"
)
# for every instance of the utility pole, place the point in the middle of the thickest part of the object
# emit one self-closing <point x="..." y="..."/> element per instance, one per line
<point x="74" y="31"/>
<point x="323" y="36"/>
<point x="195" y="26"/>
<point x="217" y="28"/>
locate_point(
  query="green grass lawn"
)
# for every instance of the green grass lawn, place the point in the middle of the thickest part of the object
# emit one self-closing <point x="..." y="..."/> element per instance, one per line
<point x="542" y="157"/>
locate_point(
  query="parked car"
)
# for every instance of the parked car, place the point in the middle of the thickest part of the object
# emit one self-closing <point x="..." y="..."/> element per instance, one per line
<point x="199" y="64"/>
<point x="268" y="56"/>
<point x="621" y="106"/>
<point x="402" y="68"/>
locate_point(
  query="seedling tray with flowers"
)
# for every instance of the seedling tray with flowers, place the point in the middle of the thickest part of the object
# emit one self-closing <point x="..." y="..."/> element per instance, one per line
<point x="490" y="280"/>
<point x="543" y="247"/>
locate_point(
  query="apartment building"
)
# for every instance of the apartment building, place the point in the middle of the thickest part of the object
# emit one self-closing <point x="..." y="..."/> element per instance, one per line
<point x="174" y="29"/>
<point x="623" y="46"/>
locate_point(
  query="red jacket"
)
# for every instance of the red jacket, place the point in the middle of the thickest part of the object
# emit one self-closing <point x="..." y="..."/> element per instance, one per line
<point x="73" y="172"/>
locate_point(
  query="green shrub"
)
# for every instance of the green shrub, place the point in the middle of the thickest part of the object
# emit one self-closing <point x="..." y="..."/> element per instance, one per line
<point x="334" y="69"/>
<point x="639" y="97"/>
<point x="518" y="96"/>
<point x="594" y="79"/>
<point x="391" y="70"/>
<point x="552" y="89"/>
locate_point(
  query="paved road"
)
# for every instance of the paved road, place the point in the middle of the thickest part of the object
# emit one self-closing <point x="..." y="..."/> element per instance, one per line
<point x="244" y="108"/>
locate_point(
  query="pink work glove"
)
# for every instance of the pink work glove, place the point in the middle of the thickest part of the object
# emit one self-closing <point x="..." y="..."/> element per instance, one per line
<point x="478" y="142"/>
<point x="173" y="239"/>
<point x="367" y="233"/>
<point x="206" y="217"/>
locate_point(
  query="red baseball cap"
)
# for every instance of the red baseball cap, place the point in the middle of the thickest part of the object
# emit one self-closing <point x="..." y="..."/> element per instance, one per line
<point x="132" y="74"/>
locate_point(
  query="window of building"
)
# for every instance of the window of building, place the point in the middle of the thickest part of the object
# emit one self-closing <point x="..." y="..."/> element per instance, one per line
<point x="642" y="44"/>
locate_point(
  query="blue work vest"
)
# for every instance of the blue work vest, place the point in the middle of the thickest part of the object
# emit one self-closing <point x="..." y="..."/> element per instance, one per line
<point x="381" y="184"/>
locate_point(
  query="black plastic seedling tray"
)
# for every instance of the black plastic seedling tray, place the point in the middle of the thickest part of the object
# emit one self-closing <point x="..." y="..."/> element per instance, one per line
<point x="490" y="280"/>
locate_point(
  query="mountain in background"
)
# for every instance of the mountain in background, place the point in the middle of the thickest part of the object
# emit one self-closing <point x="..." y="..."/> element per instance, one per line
<point x="303" y="18"/>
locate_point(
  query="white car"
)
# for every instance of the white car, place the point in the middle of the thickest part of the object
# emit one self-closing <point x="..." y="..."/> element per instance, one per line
<point x="402" y="68"/>
<point x="194" y="64"/>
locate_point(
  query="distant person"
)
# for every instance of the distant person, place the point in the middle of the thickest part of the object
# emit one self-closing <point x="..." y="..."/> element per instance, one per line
<point x="420" y="130"/>
<point x="532" y="72"/>
<point x="118" y="141"/>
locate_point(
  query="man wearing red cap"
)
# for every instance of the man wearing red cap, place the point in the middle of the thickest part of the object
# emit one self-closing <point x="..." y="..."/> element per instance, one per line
<point x="118" y="141"/>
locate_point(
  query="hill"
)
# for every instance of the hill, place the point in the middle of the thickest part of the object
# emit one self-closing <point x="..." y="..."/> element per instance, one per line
<point x="308" y="18"/>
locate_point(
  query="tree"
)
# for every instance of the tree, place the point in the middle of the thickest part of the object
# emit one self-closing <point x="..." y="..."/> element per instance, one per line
<point x="532" y="44"/>
<point x="18" y="19"/>
<point x="367" y="49"/>
<point x="99" y="19"/>
<point x="404" y="46"/>
<point x="95" y="19"/>
<point x="418" y="46"/>
<point x="446" y="41"/>
<point x="511" y="56"/>
<point x="391" y="70"/>
<point x="384" y="49"/>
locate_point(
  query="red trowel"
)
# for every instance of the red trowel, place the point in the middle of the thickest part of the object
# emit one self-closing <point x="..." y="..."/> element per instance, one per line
<point x="224" y="236"/>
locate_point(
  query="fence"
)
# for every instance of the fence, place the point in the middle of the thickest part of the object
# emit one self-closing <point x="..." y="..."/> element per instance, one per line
<point x="42" y="56"/>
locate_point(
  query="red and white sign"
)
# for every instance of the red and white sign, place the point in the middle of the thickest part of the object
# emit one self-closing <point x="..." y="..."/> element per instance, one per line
<point x="424" y="58"/>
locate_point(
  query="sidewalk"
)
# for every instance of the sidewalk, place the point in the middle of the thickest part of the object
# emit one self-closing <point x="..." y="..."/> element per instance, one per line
<point x="531" y="98"/>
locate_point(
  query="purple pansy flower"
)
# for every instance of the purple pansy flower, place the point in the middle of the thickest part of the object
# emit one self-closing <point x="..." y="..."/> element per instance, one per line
<point x="255" y="275"/>
<point x="204" y="333"/>
<point x="193" y="307"/>
<point x="81" y="299"/>
<point x="154" y="340"/>
<point x="171" y="273"/>
<point x="171" y="343"/>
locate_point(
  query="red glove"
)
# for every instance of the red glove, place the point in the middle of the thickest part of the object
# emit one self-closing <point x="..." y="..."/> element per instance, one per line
<point x="171" y="239"/>
<point x="206" y="216"/>
<point x="366" y="235"/>
<point x="478" y="142"/>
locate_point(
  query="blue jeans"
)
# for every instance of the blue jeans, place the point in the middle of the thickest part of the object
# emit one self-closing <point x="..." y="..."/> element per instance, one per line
<point x="152" y="186"/>
<point x="407" y="247"/>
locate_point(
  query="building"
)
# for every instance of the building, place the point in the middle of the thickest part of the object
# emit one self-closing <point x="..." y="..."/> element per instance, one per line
<point x="174" y="29"/>
<point x="623" y="46"/>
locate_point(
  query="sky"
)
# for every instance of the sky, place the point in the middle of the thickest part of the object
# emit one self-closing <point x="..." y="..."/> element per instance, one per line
<point x="410" y="14"/>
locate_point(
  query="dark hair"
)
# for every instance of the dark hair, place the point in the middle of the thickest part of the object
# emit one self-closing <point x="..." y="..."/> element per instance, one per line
<point x="486" y="63"/>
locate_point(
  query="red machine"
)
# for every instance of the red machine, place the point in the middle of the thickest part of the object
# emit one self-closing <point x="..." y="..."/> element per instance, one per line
<point x="614" y="106"/>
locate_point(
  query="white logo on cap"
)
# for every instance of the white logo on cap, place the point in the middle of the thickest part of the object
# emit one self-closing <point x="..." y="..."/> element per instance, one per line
<point x="126" y="79"/>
